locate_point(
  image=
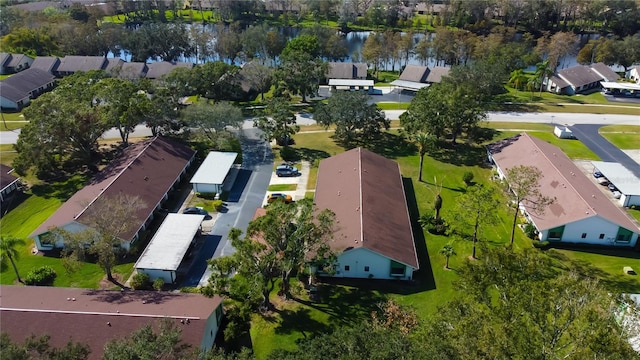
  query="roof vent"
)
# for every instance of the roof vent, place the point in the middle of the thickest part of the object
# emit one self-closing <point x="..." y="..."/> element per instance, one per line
<point x="108" y="323"/>
<point x="73" y="299"/>
<point x="146" y="178"/>
<point x="188" y="321"/>
<point x="68" y="299"/>
<point x="144" y="301"/>
<point x="338" y="192"/>
<point x="593" y="196"/>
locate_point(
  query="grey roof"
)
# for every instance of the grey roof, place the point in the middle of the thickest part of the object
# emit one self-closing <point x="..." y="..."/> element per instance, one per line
<point x="605" y="71"/>
<point x="46" y="63"/>
<point x="113" y="64"/>
<point x="133" y="70"/>
<point x="5" y="58"/>
<point x="6" y="178"/>
<point x="162" y="68"/>
<point x="38" y="5"/>
<point x="347" y="70"/>
<point x="579" y="75"/>
<point x="82" y="63"/>
<point x="169" y="245"/>
<point x="436" y="73"/>
<point x="415" y="73"/>
<point x="18" y="86"/>
<point x="17" y="59"/>
<point x="559" y="82"/>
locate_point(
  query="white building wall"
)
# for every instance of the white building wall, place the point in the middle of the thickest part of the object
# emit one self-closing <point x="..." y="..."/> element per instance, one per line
<point x="628" y="200"/>
<point x="210" y="331"/>
<point x="358" y="259"/>
<point x="206" y="188"/>
<point x="592" y="227"/>
<point x="73" y="227"/>
<point x="168" y="276"/>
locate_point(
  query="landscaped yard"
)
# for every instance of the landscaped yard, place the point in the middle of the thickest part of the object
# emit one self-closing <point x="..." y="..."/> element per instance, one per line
<point x="434" y="285"/>
<point x="625" y="137"/>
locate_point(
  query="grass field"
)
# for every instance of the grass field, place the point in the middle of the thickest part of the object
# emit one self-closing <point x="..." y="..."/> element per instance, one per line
<point x="443" y="171"/>
<point x="625" y="137"/>
<point x="282" y="187"/>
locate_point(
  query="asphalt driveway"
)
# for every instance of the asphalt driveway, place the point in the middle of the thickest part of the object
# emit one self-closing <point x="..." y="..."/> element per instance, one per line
<point x="588" y="134"/>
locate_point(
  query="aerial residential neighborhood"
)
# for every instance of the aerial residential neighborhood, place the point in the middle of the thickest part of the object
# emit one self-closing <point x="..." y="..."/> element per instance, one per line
<point x="319" y="179"/>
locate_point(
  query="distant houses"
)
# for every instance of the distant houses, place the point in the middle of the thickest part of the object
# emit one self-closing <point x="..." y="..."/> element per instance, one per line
<point x="14" y="63"/>
<point x="149" y="169"/>
<point x="634" y="74"/>
<point x="580" y="79"/>
<point x="8" y="185"/>
<point x="415" y="77"/>
<point x="18" y="90"/>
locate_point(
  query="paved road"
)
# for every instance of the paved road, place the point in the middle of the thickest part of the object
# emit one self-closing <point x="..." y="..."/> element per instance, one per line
<point x="245" y="197"/>
<point x="589" y="136"/>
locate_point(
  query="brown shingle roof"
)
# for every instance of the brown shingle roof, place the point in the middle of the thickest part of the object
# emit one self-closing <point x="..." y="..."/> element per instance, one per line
<point x="27" y="310"/>
<point x="366" y="193"/>
<point x="415" y="73"/>
<point x="162" y="68"/>
<point x="46" y="63"/>
<point x="577" y="197"/>
<point x="82" y="63"/>
<point x="436" y="73"/>
<point x="147" y="169"/>
<point x="6" y="178"/>
<point x="347" y="70"/>
<point x="133" y="70"/>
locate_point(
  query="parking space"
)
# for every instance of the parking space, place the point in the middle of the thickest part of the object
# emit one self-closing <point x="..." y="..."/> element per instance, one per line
<point x="300" y="182"/>
<point x="588" y="169"/>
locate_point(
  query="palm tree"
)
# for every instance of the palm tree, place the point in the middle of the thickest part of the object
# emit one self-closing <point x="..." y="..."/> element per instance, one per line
<point x="425" y="143"/>
<point x="517" y="79"/>
<point x="8" y="250"/>
<point x="543" y="71"/>
<point x="447" y="251"/>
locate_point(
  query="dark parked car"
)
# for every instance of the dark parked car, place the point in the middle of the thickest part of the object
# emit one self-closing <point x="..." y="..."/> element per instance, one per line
<point x="195" y="211"/>
<point x="612" y="187"/>
<point x="597" y="174"/>
<point x="286" y="170"/>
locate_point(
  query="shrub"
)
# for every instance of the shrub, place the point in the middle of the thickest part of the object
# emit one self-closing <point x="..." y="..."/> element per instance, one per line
<point x="541" y="244"/>
<point x="287" y="153"/>
<point x="437" y="227"/>
<point x="158" y="284"/>
<point x="530" y="231"/>
<point x="140" y="281"/>
<point x="467" y="177"/>
<point x="41" y="276"/>
<point x="217" y="204"/>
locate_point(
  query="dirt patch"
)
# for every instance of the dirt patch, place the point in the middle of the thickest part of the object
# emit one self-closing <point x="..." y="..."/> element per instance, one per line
<point x="106" y="284"/>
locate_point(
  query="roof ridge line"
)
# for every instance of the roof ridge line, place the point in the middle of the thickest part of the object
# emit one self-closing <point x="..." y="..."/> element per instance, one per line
<point x="115" y="178"/>
<point x="361" y="202"/>
<point x="561" y="174"/>
<point x="99" y="313"/>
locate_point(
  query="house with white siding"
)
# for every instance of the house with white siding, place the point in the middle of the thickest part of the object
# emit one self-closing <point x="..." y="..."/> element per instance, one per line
<point x="581" y="212"/>
<point x="373" y="236"/>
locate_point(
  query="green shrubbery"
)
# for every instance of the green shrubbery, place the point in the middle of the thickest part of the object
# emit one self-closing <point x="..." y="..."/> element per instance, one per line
<point x="530" y="231"/>
<point x="158" y="284"/>
<point x="287" y="153"/>
<point x="44" y="275"/>
<point x="140" y="281"/>
<point x="467" y="177"/>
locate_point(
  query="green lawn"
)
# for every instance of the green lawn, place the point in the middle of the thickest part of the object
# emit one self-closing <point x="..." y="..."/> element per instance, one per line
<point x="393" y="106"/>
<point x="283" y="187"/>
<point x="7" y="154"/>
<point x="434" y="285"/>
<point x="625" y="137"/>
<point x="620" y="128"/>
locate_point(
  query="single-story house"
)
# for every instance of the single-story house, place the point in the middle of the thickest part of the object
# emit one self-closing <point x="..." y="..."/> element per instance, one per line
<point x="347" y="70"/>
<point x="373" y="236"/>
<point x="634" y="74"/>
<point x="17" y="90"/>
<point x="72" y="64"/>
<point x="415" y="77"/>
<point x="47" y="63"/>
<point x="213" y="171"/>
<point x="166" y="250"/>
<point x="132" y="70"/>
<point x="95" y="317"/>
<point x="148" y="169"/>
<point x="581" y="213"/>
<point x="624" y="179"/>
<point x="14" y="63"/>
<point x="580" y="79"/>
<point x="423" y="8"/>
<point x="156" y="70"/>
<point x="8" y="184"/>
<point x="113" y="65"/>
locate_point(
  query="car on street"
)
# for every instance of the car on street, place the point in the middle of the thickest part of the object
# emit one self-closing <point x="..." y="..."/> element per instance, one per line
<point x="279" y="197"/>
<point x="286" y="170"/>
<point x="195" y="211"/>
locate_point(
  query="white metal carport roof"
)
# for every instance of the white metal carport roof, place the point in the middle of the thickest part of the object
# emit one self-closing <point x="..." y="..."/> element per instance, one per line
<point x="170" y="243"/>
<point x="620" y="176"/>
<point x="619" y="85"/>
<point x="350" y="82"/>
<point x="214" y="168"/>
<point x="409" y="85"/>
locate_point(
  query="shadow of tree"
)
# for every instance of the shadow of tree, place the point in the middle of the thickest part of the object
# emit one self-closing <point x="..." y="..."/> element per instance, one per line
<point x="299" y="320"/>
<point x="386" y="144"/>
<point x="62" y="190"/>
<point x="310" y="155"/>
<point x="460" y="154"/>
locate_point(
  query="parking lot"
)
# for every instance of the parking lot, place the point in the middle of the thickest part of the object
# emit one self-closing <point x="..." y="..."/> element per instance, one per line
<point x="300" y="182"/>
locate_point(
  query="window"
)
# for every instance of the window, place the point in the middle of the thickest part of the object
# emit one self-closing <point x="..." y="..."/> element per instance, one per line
<point x="366" y="268"/>
<point x="584" y="235"/>
<point x="346" y="268"/>
<point x="601" y="236"/>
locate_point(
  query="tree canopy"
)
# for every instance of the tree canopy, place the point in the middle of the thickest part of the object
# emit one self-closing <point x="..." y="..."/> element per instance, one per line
<point x="355" y="119"/>
<point x="279" y="122"/>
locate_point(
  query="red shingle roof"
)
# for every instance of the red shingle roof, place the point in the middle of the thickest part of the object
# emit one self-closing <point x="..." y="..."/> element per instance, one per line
<point x="147" y="169"/>
<point x="27" y="310"/>
<point x="366" y="193"/>
<point x="577" y="197"/>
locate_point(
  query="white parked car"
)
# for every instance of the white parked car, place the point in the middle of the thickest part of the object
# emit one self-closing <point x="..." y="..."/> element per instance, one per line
<point x="617" y="194"/>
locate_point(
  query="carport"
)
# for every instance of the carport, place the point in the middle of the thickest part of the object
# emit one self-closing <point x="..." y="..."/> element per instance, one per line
<point x="627" y="183"/>
<point x="213" y="172"/>
<point x="354" y="84"/>
<point x="408" y="85"/>
<point x="162" y="257"/>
